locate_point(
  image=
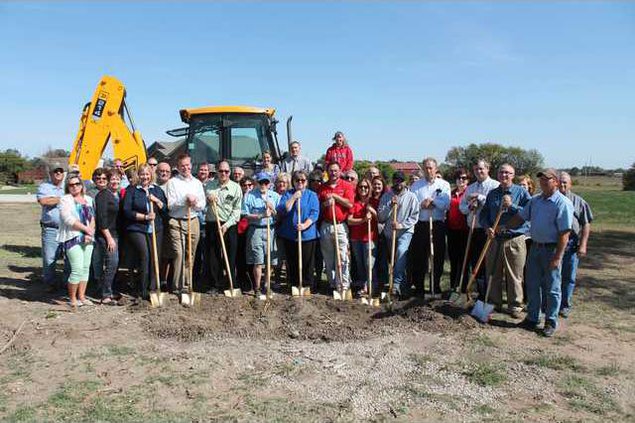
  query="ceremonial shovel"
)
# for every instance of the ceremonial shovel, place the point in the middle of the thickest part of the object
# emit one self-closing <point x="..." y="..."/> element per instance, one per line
<point x="231" y="292"/>
<point x="190" y="298"/>
<point x="300" y="291"/>
<point x="340" y="293"/>
<point x="157" y="298"/>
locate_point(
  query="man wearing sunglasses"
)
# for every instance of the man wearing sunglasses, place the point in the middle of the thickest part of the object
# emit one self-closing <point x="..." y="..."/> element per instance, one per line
<point x="227" y="196"/>
<point x="48" y="196"/>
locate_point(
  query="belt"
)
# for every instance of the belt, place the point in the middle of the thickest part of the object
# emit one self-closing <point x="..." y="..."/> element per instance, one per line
<point x="545" y="244"/>
<point x="507" y="236"/>
<point x="49" y="225"/>
<point x="259" y="226"/>
<point x="184" y="218"/>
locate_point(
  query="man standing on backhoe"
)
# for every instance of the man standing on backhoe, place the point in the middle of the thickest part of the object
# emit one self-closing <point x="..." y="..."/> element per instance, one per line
<point x="185" y="198"/>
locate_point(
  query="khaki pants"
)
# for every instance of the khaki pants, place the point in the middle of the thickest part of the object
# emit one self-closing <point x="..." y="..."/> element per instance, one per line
<point x="178" y="245"/>
<point x="509" y="268"/>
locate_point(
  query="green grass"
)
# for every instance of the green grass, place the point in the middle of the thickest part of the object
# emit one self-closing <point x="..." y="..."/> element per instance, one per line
<point x="612" y="369"/>
<point x="583" y="395"/>
<point x="554" y="361"/>
<point x="486" y="374"/>
<point x="610" y="206"/>
<point x="22" y="189"/>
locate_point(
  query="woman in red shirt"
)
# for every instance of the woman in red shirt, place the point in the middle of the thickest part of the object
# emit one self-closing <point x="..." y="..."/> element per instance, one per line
<point x="361" y="213"/>
<point x="340" y="152"/>
<point x="458" y="230"/>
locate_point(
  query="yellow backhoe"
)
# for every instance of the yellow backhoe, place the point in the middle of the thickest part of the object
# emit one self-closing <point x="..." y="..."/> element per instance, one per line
<point x="239" y="134"/>
<point x="104" y="120"/>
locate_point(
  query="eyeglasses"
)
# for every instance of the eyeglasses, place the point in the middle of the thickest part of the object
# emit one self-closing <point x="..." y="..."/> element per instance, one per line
<point x="301" y="180"/>
<point x="75" y="184"/>
<point x="264" y="182"/>
<point x="465" y="178"/>
<point x="163" y="171"/>
<point x="247" y="185"/>
<point x="58" y="171"/>
<point x="153" y="164"/>
<point x="350" y="178"/>
<point x="224" y="171"/>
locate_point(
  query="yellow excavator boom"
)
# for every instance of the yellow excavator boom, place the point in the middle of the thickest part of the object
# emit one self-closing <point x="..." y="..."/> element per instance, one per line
<point x="102" y="121"/>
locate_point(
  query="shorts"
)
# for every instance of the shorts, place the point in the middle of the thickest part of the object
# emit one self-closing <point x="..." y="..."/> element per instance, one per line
<point x="257" y="246"/>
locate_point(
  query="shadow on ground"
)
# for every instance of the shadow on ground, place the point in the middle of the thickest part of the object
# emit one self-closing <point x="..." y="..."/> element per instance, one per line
<point x="26" y="251"/>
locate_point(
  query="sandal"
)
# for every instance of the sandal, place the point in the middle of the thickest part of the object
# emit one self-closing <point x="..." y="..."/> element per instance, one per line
<point x="108" y="301"/>
<point x="86" y="302"/>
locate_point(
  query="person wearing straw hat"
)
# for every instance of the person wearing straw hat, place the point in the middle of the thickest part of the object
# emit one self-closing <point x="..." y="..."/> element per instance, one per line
<point x="185" y="197"/>
<point x="551" y="219"/>
<point x="338" y="195"/>
<point x="259" y="206"/>
<point x="405" y="220"/>
<point x="510" y="243"/>
<point x="228" y="198"/>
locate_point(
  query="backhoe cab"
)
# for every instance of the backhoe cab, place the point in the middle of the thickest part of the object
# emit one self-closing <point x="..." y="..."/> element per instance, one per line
<point x="238" y="134"/>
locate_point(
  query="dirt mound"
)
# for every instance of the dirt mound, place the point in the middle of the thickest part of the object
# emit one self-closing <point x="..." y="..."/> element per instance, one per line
<point x="317" y="318"/>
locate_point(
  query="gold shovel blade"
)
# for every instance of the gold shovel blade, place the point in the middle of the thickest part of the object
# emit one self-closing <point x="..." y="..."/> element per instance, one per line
<point x="233" y="292"/>
<point x="155" y="299"/>
<point x="337" y="295"/>
<point x="295" y="291"/>
<point x="300" y="292"/>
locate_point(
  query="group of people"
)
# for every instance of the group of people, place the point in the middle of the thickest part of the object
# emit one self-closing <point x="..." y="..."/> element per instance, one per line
<point x="360" y="231"/>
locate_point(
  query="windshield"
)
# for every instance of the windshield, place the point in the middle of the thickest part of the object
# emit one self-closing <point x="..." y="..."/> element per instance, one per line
<point x="239" y="138"/>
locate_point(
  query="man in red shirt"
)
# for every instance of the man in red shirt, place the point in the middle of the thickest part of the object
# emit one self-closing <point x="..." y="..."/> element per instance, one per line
<point x="341" y="193"/>
<point x="340" y="152"/>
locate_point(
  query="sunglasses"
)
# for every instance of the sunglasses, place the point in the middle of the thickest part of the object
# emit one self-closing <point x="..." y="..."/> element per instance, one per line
<point x="247" y="185"/>
<point x="350" y="178"/>
<point x="99" y="178"/>
<point x="58" y="171"/>
<point x="223" y="171"/>
<point x="363" y="187"/>
<point x="465" y="178"/>
<point x="75" y="184"/>
<point x="153" y="164"/>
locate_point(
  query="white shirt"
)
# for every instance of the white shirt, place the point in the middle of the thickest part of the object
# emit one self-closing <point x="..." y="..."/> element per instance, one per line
<point x="482" y="189"/>
<point x="176" y="191"/>
<point x="439" y="191"/>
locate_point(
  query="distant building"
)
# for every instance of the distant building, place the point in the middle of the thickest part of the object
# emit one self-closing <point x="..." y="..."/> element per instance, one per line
<point x="167" y="151"/>
<point x="408" y="168"/>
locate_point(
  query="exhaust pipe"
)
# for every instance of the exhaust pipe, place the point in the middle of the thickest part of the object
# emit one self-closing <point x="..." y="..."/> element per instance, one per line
<point x="289" y="137"/>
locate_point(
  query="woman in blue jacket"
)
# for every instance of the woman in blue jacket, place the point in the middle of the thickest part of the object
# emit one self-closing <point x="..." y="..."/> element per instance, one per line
<point x="139" y="216"/>
<point x="289" y="227"/>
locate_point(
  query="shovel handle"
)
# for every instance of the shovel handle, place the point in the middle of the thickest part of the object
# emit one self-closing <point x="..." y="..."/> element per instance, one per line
<point x="299" y="246"/>
<point x="154" y="251"/>
<point x="467" y="252"/>
<point x="224" y="249"/>
<point x="393" y="247"/>
<point x="268" y="270"/>
<point x="370" y="256"/>
<point x="189" y="248"/>
<point x="337" y="247"/>
<point x="488" y="243"/>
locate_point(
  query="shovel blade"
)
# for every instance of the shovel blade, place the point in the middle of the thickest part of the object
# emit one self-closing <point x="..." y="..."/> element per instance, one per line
<point x="454" y="297"/>
<point x="155" y="299"/>
<point x="337" y="295"/>
<point x="305" y="292"/>
<point x="262" y="297"/>
<point x="295" y="291"/>
<point x="348" y="295"/>
<point x="482" y="311"/>
<point x="233" y="292"/>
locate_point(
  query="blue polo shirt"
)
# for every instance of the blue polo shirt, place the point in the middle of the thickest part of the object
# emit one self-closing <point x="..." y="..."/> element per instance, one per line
<point x="520" y="198"/>
<point x="310" y="209"/>
<point x="254" y="203"/>
<point x="549" y="216"/>
<point x="50" y="214"/>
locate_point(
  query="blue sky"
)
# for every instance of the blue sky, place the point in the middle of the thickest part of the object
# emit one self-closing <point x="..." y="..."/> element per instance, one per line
<point x="402" y="80"/>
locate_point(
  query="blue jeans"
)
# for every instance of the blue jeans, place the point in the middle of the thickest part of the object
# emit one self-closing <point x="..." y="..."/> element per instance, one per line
<point x="569" y="268"/>
<point x="359" y="251"/>
<point x="51" y="252"/>
<point x="400" y="283"/>
<point x="543" y="284"/>
<point x="110" y="262"/>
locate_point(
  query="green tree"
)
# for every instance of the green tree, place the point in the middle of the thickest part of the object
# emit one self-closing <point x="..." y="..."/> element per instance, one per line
<point x="11" y="162"/>
<point x="524" y="161"/>
<point x="628" y="179"/>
